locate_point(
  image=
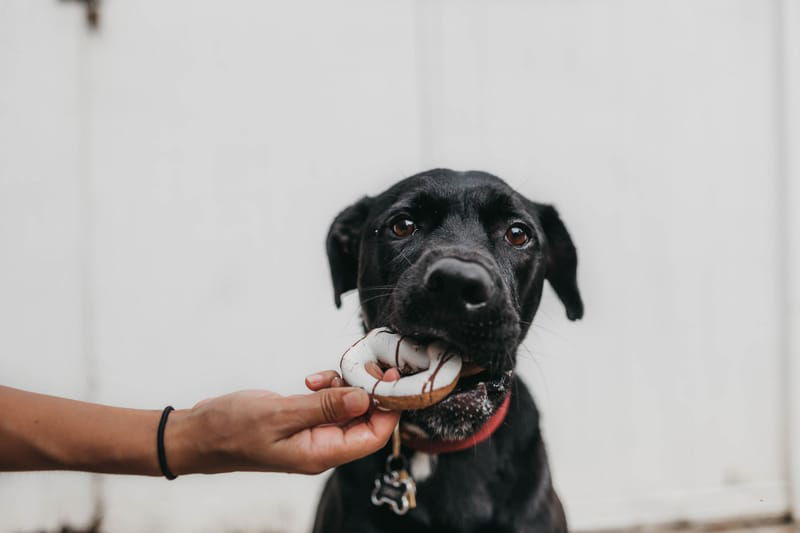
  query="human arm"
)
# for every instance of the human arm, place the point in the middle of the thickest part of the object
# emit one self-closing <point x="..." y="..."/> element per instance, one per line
<point x="248" y="430"/>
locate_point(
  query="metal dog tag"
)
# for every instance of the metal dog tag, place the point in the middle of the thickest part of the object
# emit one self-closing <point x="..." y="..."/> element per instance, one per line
<point x="395" y="489"/>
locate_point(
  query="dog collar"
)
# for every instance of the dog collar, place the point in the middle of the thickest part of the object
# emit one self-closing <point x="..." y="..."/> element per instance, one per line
<point x="449" y="446"/>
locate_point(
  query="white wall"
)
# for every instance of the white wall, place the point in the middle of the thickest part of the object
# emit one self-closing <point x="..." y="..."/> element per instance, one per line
<point x="166" y="184"/>
<point x="789" y="127"/>
<point x="42" y="240"/>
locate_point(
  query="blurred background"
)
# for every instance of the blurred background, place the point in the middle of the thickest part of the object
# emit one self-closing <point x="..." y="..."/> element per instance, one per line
<point x="167" y="179"/>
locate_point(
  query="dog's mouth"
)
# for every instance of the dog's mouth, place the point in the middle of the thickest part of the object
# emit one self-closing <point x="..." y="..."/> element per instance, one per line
<point x="477" y="395"/>
<point x="476" y="379"/>
<point x="469" y="369"/>
<point x="476" y="388"/>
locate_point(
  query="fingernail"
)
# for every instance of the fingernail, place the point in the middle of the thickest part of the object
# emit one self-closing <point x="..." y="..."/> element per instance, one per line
<point x="391" y="375"/>
<point x="356" y="401"/>
<point x="314" y="378"/>
<point x="373" y="369"/>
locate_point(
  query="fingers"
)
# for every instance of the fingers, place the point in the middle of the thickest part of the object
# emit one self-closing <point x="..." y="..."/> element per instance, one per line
<point x="324" y="380"/>
<point x="334" y="445"/>
<point x="367" y="438"/>
<point x="332" y="403"/>
<point x="327" y="406"/>
<point x="330" y="378"/>
<point x="373" y="369"/>
<point x="316" y="444"/>
<point x="391" y="375"/>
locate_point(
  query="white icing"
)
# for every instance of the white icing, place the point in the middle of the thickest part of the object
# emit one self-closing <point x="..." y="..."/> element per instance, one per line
<point x="381" y="345"/>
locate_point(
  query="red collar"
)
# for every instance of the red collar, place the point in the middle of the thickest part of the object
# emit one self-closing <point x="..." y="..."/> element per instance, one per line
<point x="448" y="446"/>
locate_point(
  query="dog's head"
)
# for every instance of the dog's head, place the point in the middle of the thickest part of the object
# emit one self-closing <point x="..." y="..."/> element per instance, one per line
<point x="460" y="257"/>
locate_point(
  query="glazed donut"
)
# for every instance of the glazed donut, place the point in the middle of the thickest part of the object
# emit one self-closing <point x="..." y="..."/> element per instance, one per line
<point x="429" y="373"/>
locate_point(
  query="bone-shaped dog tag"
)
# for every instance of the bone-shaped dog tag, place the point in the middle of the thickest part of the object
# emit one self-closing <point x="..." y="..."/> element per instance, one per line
<point x="412" y="494"/>
<point x="395" y="487"/>
<point x="399" y="493"/>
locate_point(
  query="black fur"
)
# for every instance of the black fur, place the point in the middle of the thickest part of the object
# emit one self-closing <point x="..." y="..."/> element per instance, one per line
<point x="483" y="308"/>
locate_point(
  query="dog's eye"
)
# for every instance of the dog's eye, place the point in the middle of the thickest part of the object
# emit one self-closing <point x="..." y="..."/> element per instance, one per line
<point x="403" y="227"/>
<point x="517" y="235"/>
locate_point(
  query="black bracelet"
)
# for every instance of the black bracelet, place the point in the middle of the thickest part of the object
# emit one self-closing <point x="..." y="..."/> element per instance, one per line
<point x="162" y="455"/>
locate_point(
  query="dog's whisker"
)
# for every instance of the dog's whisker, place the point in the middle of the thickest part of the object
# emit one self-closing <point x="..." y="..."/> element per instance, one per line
<point x="401" y="255"/>
<point x="376" y="297"/>
<point x="388" y="291"/>
<point x="376" y="288"/>
<point x="538" y="327"/>
<point x="537" y="363"/>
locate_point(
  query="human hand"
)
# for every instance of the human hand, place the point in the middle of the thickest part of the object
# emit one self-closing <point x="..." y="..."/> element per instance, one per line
<point x="264" y="431"/>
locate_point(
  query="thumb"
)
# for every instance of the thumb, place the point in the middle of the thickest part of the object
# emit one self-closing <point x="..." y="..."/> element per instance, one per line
<point x="327" y="406"/>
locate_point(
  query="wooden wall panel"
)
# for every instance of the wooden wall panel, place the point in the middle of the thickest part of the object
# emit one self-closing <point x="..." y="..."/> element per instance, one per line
<point x="652" y="126"/>
<point x="43" y="234"/>
<point x="225" y="141"/>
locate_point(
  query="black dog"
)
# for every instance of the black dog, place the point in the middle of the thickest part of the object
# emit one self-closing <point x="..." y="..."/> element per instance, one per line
<point x="460" y="257"/>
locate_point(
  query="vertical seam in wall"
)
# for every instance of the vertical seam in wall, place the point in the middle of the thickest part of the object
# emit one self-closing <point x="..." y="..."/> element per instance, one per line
<point x="784" y="233"/>
<point x="429" y="72"/>
<point x="788" y="19"/>
<point x="481" y="26"/>
<point x="88" y="38"/>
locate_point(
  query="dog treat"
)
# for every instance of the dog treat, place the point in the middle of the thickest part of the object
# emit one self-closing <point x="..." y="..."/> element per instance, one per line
<point x="428" y="373"/>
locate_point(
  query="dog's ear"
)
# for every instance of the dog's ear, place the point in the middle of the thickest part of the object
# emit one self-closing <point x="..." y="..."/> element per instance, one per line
<point x="562" y="260"/>
<point x="344" y="239"/>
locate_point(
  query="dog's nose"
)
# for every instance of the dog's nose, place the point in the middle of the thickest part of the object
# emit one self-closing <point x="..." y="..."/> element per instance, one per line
<point x="464" y="282"/>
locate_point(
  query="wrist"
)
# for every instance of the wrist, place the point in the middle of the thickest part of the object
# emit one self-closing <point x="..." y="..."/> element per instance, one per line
<point x="182" y="443"/>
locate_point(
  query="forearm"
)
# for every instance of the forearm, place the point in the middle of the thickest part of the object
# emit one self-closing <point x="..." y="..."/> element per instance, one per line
<point x="247" y="430"/>
<point x="39" y="432"/>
